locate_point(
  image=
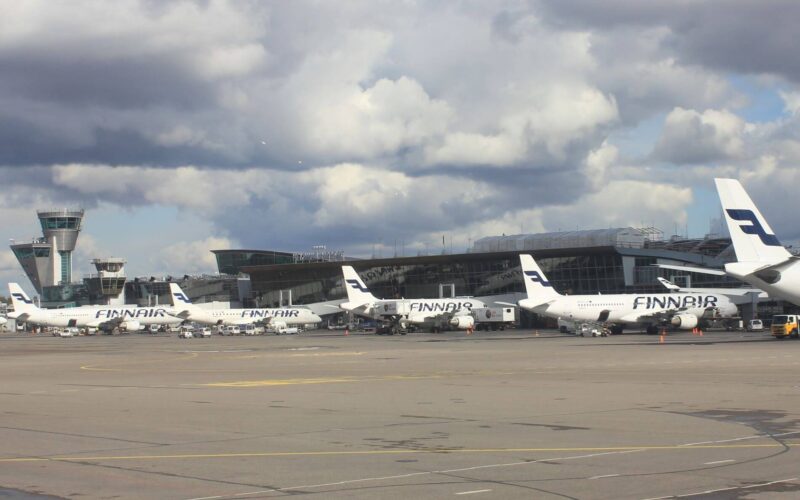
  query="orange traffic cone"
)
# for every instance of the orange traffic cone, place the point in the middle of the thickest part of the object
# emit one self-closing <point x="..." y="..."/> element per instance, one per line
<point x="346" y="332"/>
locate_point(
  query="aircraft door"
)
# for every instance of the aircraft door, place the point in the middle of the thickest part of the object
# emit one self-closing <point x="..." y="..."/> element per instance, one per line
<point x="603" y="315"/>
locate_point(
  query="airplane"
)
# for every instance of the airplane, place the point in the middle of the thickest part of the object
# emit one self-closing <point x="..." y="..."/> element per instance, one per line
<point x="99" y="317"/>
<point x="681" y="310"/>
<point x="423" y="313"/>
<point x="736" y="295"/>
<point x="274" y="316"/>
<point x="761" y="259"/>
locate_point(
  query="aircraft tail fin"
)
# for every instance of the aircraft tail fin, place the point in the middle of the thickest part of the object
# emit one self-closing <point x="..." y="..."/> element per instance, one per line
<point x="672" y="287"/>
<point x="20" y="299"/>
<point x="753" y="239"/>
<point x="179" y="299"/>
<point x="357" y="292"/>
<point x="536" y="284"/>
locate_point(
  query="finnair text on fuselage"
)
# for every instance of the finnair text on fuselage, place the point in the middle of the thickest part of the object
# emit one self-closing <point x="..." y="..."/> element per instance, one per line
<point x="132" y="313"/>
<point x="270" y="313"/>
<point x="439" y="306"/>
<point x="673" y="302"/>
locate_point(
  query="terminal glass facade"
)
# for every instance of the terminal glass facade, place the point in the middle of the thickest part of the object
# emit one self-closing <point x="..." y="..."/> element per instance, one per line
<point x="231" y="261"/>
<point x="50" y="223"/>
<point x="420" y="277"/>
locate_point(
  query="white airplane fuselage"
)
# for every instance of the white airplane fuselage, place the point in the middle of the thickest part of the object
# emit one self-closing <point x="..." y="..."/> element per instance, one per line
<point x="287" y="315"/>
<point x="785" y="284"/>
<point x="629" y="308"/>
<point x="93" y="317"/>
<point x="418" y="311"/>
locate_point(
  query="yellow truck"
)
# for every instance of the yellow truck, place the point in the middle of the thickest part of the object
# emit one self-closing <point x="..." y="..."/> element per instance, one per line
<point x="785" y="325"/>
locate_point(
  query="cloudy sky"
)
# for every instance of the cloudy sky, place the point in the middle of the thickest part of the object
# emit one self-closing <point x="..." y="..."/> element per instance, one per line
<point x="185" y="126"/>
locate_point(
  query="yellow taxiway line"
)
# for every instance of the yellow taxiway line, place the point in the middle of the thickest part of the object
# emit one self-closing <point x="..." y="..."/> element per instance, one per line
<point x="349" y="379"/>
<point x="278" y="454"/>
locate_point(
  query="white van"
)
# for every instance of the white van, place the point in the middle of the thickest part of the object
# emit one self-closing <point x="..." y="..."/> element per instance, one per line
<point x="67" y="332"/>
<point x="755" y="325"/>
<point x="232" y="330"/>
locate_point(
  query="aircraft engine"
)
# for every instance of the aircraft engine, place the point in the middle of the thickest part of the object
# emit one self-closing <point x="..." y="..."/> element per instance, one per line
<point x="462" y="322"/>
<point x="130" y="326"/>
<point x="684" y="321"/>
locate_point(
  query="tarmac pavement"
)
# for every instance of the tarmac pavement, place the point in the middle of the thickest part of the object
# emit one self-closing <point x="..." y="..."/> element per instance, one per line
<point x="514" y="414"/>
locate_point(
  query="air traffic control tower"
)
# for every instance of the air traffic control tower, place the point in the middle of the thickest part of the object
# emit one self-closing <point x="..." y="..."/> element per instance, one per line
<point x="48" y="261"/>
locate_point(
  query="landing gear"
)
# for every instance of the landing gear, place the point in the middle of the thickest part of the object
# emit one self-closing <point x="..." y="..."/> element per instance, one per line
<point x="652" y="329"/>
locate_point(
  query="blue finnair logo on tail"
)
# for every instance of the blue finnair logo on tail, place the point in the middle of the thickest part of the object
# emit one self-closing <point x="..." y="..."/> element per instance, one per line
<point x="21" y="297"/>
<point x="537" y="278"/>
<point x="755" y="227"/>
<point x="358" y="286"/>
<point x="182" y="297"/>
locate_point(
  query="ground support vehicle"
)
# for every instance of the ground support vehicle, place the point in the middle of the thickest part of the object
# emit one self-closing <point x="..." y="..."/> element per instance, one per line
<point x="493" y="318"/>
<point x="785" y="325"/>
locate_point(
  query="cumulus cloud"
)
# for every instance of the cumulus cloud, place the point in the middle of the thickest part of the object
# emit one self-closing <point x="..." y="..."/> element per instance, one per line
<point x="693" y="137"/>
<point x="191" y="257"/>
<point x="736" y="36"/>
<point x="366" y="123"/>
<point x="791" y="101"/>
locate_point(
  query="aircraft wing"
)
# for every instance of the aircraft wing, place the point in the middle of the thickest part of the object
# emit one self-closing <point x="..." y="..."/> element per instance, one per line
<point x="184" y="314"/>
<point x="656" y="317"/>
<point x="245" y="321"/>
<point x="758" y="268"/>
<point x="690" y="269"/>
<point x="113" y="322"/>
<point x="22" y="317"/>
<point x="526" y="303"/>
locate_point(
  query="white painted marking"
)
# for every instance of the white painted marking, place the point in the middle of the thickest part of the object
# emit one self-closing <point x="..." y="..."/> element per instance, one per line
<point x="756" y="436"/>
<point x="414" y="474"/>
<point x="719" y="462"/>
<point x="304" y="348"/>
<point x="207" y="351"/>
<point x="472" y="492"/>
<point x="606" y="475"/>
<point x="708" y="492"/>
<point x="769" y="483"/>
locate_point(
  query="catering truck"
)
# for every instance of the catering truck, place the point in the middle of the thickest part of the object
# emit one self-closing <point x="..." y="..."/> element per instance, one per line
<point x="493" y="318"/>
<point x="785" y="325"/>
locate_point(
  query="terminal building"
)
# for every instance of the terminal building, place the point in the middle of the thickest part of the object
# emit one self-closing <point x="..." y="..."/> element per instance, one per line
<point x="617" y="260"/>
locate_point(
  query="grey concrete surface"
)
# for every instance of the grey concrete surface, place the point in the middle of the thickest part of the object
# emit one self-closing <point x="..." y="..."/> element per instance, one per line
<point x="514" y="414"/>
